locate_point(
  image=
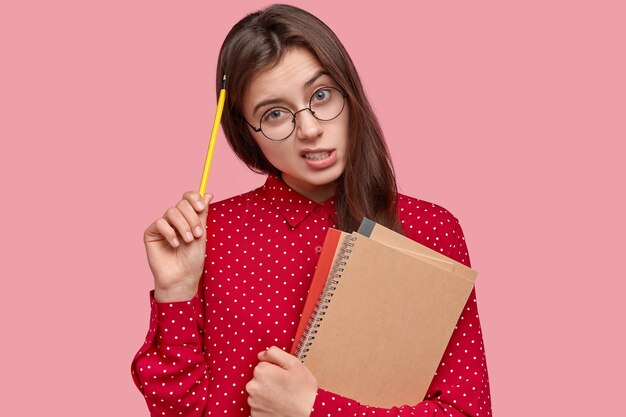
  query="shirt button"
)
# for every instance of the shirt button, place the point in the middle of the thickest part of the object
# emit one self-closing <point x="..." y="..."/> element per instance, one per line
<point x="318" y="249"/>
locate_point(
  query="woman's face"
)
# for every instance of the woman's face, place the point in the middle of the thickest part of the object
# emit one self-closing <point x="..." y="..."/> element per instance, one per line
<point x="313" y="157"/>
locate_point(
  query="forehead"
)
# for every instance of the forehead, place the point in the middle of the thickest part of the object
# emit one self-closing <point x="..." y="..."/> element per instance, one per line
<point x="288" y="76"/>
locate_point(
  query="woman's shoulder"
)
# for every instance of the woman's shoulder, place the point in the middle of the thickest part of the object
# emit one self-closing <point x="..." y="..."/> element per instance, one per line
<point x="240" y="201"/>
<point x="231" y="215"/>
<point x="416" y="211"/>
<point x="429" y="224"/>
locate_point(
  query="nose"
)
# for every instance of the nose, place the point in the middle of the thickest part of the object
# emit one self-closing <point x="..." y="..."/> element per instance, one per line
<point x="307" y="126"/>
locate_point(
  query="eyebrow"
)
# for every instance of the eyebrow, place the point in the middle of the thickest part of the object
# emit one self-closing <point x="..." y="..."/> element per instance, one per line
<point x="319" y="74"/>
<point x="307" y="84"/>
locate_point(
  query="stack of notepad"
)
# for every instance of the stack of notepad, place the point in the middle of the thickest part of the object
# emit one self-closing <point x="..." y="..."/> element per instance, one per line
<point x="379" y="315"/>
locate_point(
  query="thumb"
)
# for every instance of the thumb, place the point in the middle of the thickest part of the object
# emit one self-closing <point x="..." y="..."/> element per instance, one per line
<point x="203" y="216"/>
<point x="278" y="357"/>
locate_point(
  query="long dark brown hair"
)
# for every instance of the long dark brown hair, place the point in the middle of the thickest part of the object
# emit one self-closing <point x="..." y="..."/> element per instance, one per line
<point x="367" y="187"/>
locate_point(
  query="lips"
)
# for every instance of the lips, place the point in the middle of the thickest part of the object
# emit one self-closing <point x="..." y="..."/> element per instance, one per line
<point x="319" y="159"/>
<point x="315" y="154"/>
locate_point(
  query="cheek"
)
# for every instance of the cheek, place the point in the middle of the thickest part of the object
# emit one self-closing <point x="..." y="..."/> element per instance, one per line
<point x="344" y="133"/>
<point x="275" y="153"/>
<point x="345" y="126"/>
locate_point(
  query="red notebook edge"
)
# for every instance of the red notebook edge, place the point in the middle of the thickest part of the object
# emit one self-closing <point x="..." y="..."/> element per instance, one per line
<point x="324" y="264"/>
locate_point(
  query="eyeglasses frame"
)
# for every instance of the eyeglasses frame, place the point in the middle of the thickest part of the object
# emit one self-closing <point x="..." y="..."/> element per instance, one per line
<point x="344" y="95"/>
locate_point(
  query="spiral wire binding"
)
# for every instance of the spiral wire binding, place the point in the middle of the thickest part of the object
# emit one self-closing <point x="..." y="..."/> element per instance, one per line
<point x="334" y="276"/>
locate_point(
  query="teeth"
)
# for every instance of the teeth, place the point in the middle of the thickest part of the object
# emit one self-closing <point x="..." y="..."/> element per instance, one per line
<point x="316" y="156"/>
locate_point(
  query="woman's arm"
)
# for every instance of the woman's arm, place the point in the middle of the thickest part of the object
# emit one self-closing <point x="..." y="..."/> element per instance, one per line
<point x="460" y="386"/>
<point x="169" y="369"/>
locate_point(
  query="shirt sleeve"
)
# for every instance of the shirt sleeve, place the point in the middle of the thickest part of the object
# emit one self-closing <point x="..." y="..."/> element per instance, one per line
<point x="460" y="386"/>
<point x="169" y="369"/>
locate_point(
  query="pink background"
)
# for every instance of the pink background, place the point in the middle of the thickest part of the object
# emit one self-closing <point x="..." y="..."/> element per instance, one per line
<point x="512" y="116"/>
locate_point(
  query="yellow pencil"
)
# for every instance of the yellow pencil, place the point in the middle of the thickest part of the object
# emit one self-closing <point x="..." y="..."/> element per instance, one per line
<point x="216" y="126"/>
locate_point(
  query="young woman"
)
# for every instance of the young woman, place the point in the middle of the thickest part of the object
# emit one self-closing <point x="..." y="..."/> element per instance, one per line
<point x="231" y="278"/>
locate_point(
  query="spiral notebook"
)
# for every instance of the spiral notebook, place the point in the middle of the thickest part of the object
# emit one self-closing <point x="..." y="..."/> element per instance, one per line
<point x="384" y="317"/>
<point x="330" y="250"/>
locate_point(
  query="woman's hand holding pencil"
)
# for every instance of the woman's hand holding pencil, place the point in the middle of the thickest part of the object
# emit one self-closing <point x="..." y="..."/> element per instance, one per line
<point x="176" y="246"/>
<point x="176" y="243"/>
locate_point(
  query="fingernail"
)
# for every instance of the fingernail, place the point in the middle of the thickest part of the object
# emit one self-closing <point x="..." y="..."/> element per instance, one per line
<point x="188" y="235"/>
<point x="175" y="241"/>
<point x="198" y="231"/>
<point x="199" y="205"/>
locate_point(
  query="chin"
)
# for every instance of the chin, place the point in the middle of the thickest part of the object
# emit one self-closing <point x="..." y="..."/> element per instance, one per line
<point x="326" y="179"/>
<point x="315" y="180"/>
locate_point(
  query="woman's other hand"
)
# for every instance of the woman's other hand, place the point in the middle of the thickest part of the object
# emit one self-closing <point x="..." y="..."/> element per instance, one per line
<point x="176" y="247"/>
<point x="281" y="386"/>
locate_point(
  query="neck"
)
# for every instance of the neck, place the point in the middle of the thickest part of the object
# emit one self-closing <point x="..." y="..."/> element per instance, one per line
<point x="317" y="193"/>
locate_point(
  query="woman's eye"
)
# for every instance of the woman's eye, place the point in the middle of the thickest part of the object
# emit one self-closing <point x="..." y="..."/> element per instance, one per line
<point x="321" y="95"/>
<point x="274" y="115"/>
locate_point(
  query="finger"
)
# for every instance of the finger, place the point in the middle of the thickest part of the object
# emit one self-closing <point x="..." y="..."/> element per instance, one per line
<point x="278" y="357"/>
<point x="196" y="200"/>
<point x="175" y="218"/>
<point x="161" y="229"/>
<point x="192" y="218"/>
<point x="250" y="387"/>
<point x="262" y="368"/>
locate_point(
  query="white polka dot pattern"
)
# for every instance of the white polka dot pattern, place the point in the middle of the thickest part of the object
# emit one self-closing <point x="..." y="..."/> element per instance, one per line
<point x="262" y="248"/>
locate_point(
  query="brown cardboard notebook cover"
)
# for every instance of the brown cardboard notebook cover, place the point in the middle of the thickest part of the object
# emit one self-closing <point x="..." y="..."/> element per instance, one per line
<point x="387" y="236"/>
<point x="386" y="324"/>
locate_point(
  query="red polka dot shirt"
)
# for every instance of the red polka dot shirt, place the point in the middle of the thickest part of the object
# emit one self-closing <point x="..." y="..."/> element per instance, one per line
<point x="262" y="248"/>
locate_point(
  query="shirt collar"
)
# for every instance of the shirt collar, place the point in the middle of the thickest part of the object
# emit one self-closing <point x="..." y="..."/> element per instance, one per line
<point x="292" y="205"/>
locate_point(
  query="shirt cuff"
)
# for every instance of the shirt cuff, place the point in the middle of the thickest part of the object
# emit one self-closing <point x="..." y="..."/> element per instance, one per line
<point x="176" y="323"/>
<point x="330" y="404"/>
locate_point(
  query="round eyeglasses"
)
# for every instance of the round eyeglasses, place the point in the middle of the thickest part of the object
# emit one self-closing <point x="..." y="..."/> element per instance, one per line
<point x="278" y="123"/>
